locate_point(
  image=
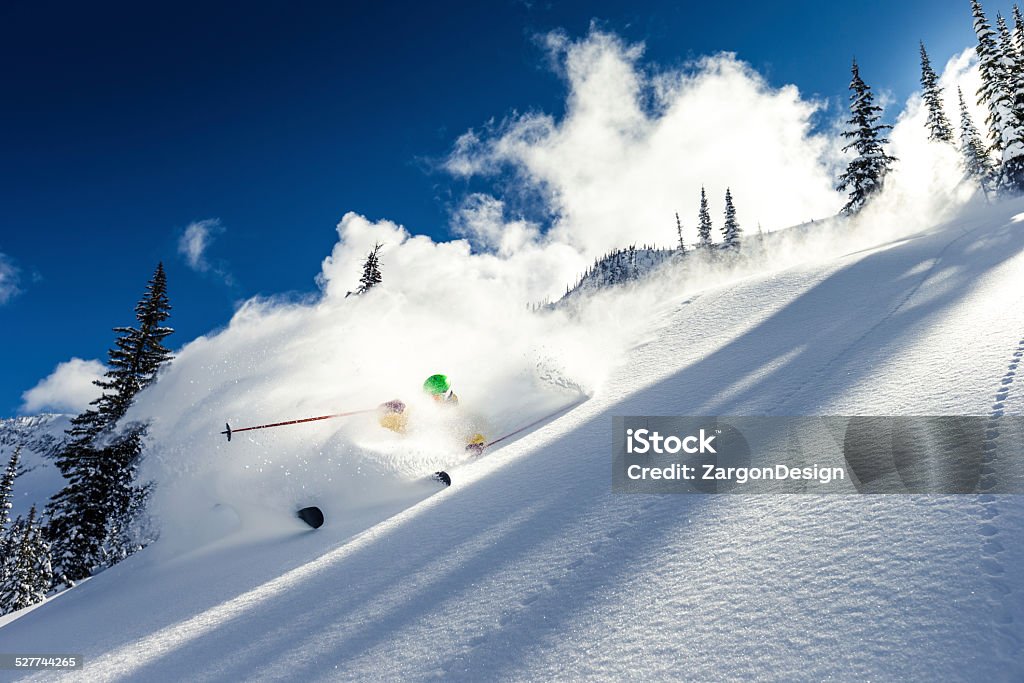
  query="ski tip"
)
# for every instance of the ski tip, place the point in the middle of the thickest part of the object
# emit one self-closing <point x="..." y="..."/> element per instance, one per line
<point x="227" y="430"/>
<point x="443" y="477"/>
<point x="313" y="516"/>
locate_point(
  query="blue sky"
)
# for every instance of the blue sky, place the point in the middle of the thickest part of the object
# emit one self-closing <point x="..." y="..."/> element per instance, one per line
<point x="122" y="125"/>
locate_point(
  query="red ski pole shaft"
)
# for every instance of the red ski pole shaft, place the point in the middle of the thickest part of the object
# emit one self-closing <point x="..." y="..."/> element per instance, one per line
<point x="229" y="431"/>
<point x="535" y="422"/>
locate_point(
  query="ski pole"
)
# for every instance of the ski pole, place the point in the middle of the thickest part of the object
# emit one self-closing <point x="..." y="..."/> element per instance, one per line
<point x="229" y="431"/>
<point x="534" y="423"/>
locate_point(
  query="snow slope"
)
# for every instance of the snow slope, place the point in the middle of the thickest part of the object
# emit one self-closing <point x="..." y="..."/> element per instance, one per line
<point x="530" y="568"/>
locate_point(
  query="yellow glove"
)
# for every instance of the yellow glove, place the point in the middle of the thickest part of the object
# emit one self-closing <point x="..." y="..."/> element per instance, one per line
<point x="476" y="444"/>
<point x="392" y="416"/>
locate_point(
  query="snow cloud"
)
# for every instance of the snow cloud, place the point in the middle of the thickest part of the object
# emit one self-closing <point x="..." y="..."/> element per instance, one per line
<point x="10" y="279"/>
<point x="481" y="219"/>
<point x="634" y="148"/>
<point x="440" y="308"/>
<point x="194" y="244"/>
<point x="69" y="388"/>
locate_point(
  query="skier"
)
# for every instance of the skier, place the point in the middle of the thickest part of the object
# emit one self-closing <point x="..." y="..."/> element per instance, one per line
<point x="440" y="389"/>
<point x="394" y="416"/>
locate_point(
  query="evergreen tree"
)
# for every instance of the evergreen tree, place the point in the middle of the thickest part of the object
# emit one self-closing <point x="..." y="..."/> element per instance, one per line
<point x="618" y="267"/>
<point x="140" y="351"/>
<point x="14" y="588"/>
<point x="939" y="127"/>
<point x="993" y="92"/>
<point x="99" y="464"/>
<point x="977" y="163"/>
<point x="144" y="354"/>
<point x="731" y="228"/>
<point x="1012" y="166"/>
<point x="1018" y="32"/>
<point x="679" y="232"/>
<point x="8" y="552"/>
<point x="1016" y="50"/>
<point x="371" y="272"/>
<point x="704" y="221"/>
<point x="8" y="533"/>
<point x="77" y="517"/>
<point x="866" y="173"/>
<point x="27" y="576"/>
<point x="38" y="559"/>
<point x="126" y="500"/>
<point x="6" y="490"/>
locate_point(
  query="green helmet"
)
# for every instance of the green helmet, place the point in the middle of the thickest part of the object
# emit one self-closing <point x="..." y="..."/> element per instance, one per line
<point x="436" y="384"/>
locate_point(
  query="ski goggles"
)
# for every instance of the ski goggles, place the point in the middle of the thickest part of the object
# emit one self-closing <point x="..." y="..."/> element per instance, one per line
<point x="446" y="397"/>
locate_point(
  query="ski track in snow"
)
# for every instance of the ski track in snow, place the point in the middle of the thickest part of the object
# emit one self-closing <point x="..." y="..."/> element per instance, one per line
<point x="823" y="373"/>
<point x="531" y="569"/>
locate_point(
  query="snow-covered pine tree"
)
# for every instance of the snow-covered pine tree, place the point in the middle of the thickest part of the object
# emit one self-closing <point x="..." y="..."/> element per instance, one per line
<point x="371" y="271"/>
<point x="679" y="232"/>
<point x="8" y="540"/>
<point x="939" y="127"/>
<point x="704" y="221"/>
<point x="1018" y="31"/>
<point x="1013" y="57"/>
<point x="7" y="488"/>
<point x="99" y="465"/>
<point x="1011" y="178"/>
<point x="730" y="228"/>
<point x="27" y="576"/>
<point x="977" y="163"/>
<point x="38" y="559"/>
<point x="126" y="501"/>
<point x="992" y="94"/>
<point x="1017" y="49"/>
<point x="8" y="547"/>
<point x="16" y="589"/>
<point x="620" y="273"/>
<point x="14" y="575"/>
<point x="141" y="354"/>
<point x="866" y="173"/>
<point x="77" y="518"/>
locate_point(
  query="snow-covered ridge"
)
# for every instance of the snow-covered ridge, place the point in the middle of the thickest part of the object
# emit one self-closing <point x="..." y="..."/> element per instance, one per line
<point x="40" y="438"/>
<point x="41" y="434"/>
<point x="619" y="266"/>
<point x="632" y="264"/>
